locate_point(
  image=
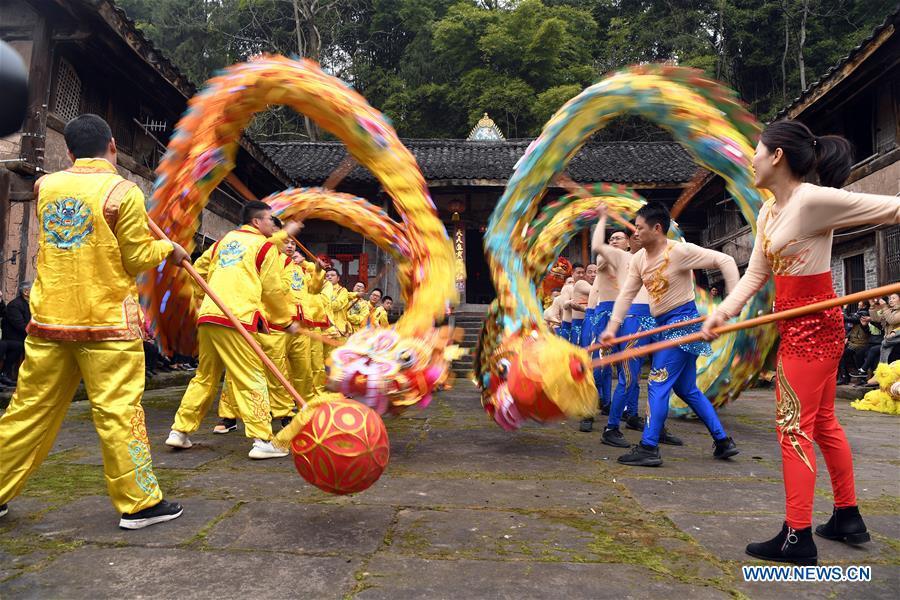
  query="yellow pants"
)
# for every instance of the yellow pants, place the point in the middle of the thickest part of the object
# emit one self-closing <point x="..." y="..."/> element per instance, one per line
<point x="299" y="359"/>
<point x="275" y="346"/>
<point x="317" y="362"/>
<point x="223" y="349"/>
<point x="113" y="373"/>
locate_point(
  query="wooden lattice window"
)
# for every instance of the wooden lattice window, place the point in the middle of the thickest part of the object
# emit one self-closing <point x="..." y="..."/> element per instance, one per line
<point x="67" y="104"/>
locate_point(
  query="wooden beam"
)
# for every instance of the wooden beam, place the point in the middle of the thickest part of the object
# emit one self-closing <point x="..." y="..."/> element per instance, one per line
<point x="697" y="182"/>
<point x="34" y="130"/>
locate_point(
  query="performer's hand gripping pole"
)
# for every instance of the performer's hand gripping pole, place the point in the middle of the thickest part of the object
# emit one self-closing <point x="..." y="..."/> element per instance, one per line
<point x="642" y="334"/>
<point x="187" y="266"/>
<point x="793" y="313"/>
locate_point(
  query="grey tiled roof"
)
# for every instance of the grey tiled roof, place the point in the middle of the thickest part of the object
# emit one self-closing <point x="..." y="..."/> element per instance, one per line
<point x="310" y="163"/>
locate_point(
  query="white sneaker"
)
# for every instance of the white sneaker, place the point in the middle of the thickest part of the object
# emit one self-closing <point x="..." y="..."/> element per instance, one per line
<point x="261" y="450"/>
<point x="177" y="439"/>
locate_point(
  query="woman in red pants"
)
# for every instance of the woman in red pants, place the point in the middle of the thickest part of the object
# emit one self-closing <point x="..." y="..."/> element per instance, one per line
<point x="793" y="243"/>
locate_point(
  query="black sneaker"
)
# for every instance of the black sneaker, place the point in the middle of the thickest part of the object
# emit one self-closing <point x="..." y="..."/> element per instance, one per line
<point x="4" y="508"/>
<point x="604" y="410"/>
<point x="586" y="425"/>
<point x="794" y="546"/>
<point x="225" y="426"/>
<point x="642" y="456"/>
<point x="724" y="448"/>
<point x="285" y="421"/>
<point x="613" y="437"/>
<point x="164" y="511"/>
<point x="635" y="422"/>
<point x="670" y="440"/>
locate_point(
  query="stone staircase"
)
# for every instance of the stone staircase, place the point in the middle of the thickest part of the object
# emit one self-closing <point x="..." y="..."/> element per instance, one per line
<point x="469" y="318"/>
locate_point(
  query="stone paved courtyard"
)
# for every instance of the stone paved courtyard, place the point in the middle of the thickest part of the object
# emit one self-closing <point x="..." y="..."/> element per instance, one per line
<point x="465" y="510"/>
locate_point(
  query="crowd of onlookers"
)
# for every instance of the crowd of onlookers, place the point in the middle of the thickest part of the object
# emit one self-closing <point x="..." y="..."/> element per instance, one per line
<point x="873" y="337"/>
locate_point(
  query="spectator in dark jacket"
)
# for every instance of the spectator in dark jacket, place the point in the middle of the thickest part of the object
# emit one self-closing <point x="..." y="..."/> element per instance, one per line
<point x="15" y="321"/>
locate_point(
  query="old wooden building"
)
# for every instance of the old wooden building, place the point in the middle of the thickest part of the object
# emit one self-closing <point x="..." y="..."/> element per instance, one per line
<point x="87" y="56"/>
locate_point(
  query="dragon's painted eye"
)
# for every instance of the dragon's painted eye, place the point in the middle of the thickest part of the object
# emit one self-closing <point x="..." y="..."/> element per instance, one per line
<point x="503" y="368"/>
<point x="405" y="358"/>
<point x="576" y="367"/>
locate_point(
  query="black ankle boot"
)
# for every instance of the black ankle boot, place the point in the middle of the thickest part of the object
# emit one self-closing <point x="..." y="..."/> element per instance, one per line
<point x="845" y="525"/>
<point x="790" y="546"/>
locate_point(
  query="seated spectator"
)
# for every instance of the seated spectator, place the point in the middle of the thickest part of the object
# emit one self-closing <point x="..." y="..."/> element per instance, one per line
<point x="857" y="345"/>
<point x="15" y="321"/>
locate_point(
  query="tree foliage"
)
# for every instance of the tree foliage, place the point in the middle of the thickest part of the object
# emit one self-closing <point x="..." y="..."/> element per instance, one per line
<point x="434" y="66"/>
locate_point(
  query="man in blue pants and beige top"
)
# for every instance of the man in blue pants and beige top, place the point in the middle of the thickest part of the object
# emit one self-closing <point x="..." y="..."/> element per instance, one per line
<point x="664" y="267"/>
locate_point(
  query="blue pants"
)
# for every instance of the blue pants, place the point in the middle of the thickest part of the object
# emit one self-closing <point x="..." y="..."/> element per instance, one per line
<point x="588" y="337"/>
<point x="564" y="329"/>
<point x="676" y="369"/>
<point x="629" y="373"/>
<point x="575" y="332"/>
<point x="603" y="376"/>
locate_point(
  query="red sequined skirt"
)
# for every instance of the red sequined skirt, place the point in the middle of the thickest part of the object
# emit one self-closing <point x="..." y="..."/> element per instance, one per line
<point x="818" y="336"/>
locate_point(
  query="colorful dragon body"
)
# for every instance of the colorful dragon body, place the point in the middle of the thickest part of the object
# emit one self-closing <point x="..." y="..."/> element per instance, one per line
<point x="202" y="152"/>
<point x="542" y="376"/>
<point x="387" y="369"/>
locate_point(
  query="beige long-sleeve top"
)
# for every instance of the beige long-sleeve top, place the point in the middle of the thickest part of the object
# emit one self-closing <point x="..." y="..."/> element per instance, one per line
<point x="616" y="263"/>
<point x="796" y="238"/>
<point x="565" y="294"/>
<point x="580" y="294"/>
<point x="553" y="313"/>
<point x="611" y="262"/>
<point x="668" y="276"/>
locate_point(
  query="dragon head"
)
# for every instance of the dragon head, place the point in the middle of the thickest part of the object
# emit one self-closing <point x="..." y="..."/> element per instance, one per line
<point x="389" y="371"/>
<point x="537" y="375"/>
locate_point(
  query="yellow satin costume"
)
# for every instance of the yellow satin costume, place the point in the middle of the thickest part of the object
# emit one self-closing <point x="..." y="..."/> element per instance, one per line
<point x="244" y="269"/>
<point x="86" y="324"/>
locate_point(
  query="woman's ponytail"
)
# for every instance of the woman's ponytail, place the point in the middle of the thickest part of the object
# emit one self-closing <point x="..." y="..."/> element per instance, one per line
<point x="834" y="157"/>
<point x="830" y="155"/>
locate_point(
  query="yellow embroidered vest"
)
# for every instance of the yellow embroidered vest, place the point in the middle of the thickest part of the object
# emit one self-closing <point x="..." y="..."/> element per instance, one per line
<point x="82" y="291"/>
<point x="236" y="266"/>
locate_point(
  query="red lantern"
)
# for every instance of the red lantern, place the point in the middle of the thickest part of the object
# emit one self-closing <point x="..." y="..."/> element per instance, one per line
<point x="343" y="449"/>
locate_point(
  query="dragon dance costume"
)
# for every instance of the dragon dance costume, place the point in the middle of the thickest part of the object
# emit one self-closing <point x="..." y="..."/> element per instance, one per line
<point x="668" y="279"/>
<point x="628" y="389"/>
<point x="245" y="268"/>
<point x="794" y="244"/>
<point x="86" y="324"/>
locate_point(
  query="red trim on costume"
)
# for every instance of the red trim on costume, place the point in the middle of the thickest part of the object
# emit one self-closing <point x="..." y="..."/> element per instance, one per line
<point x="287" y="260"/>
<point x="323" y="324"/>
<point x="258" y="325"/>
<point x="261" y="255"/>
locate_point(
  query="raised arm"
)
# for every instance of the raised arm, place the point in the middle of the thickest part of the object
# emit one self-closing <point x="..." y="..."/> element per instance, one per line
<point x="756" y="276"/>
<point x="831" y="208"/>
<point x="138" y="248"/>
<point x="693" y="257"/>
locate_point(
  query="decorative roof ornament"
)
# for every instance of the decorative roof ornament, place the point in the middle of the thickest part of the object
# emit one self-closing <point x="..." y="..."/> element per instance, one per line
<point x="485" y="131"/>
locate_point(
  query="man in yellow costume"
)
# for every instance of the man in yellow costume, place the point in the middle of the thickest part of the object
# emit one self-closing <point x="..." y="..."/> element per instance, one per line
<point x="86" y="324"/>
<point x="359" y="311"/>
<point x="302" y="279"/>
<point x="378" y="316"/>
<point x="337" y="304"/>
<point x="246" y="271"/>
